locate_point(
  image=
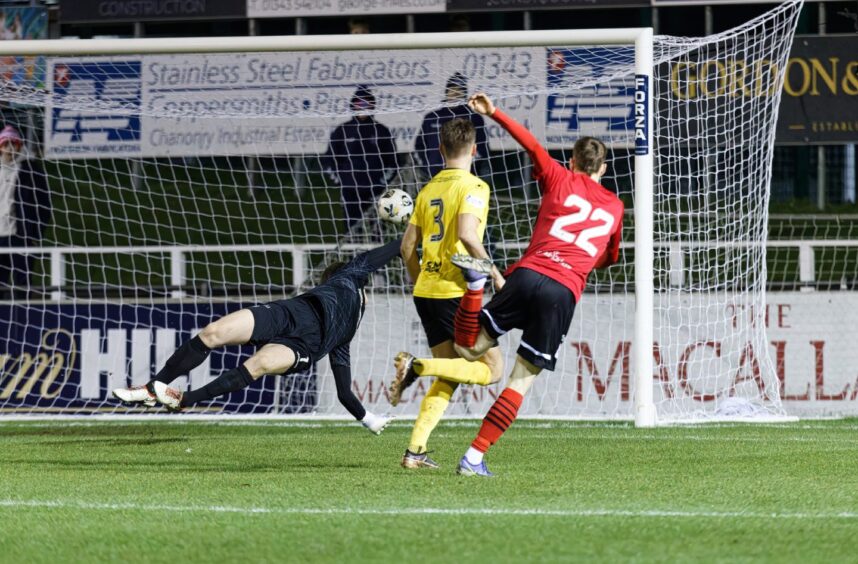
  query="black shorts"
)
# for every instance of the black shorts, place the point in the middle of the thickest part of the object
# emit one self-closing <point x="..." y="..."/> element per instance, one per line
<point x="295" y="323"/>
<point x="437" y="317"/>
<point x="538" y="305"/>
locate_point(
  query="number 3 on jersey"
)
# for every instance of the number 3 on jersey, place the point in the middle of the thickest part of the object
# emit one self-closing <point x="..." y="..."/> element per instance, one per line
<point x="439" y="219"/>
<point x="585" y="212"/>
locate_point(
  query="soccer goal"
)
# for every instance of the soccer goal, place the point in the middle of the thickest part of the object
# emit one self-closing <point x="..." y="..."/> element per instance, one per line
<point x="187" y="178"/>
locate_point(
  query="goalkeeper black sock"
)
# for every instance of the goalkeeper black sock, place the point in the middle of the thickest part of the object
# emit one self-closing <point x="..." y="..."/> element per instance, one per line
<point x="230" y="381"/>
<point x="187" y="357"/>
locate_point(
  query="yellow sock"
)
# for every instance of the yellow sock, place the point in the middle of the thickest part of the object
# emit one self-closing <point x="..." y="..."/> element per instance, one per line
<point x="454" y="370"/>
<point x="431" y="409"/>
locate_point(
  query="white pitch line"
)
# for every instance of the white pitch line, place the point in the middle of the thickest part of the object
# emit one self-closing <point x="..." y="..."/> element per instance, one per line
<point x="656" y="513"/>
<point x="666" y="438"/>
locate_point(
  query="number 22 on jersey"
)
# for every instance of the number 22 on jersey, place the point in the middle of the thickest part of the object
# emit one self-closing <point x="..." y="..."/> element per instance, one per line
<point x="585" y="212"/>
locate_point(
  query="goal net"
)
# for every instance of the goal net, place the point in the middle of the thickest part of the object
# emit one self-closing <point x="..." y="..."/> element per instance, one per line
<point x="153" y="193"/>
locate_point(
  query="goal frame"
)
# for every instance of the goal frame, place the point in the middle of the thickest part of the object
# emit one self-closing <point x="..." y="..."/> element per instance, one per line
<point x="641" y="38"/>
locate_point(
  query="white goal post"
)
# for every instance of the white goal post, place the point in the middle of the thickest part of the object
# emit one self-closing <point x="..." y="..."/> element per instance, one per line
<point x="675" y="107"/>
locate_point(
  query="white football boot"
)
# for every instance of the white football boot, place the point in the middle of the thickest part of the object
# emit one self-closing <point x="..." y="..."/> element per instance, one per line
<point x="376" y="423"/>
<point x="171" y="398"/>
<point x="135" y="395"/>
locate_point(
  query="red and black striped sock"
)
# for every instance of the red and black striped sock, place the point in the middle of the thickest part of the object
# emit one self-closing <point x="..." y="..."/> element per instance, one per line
<point x="501" y="415"/>
<point x="467" y="320"/>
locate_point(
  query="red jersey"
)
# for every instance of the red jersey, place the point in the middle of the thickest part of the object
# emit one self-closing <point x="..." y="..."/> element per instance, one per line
<point x="580" y="223"/>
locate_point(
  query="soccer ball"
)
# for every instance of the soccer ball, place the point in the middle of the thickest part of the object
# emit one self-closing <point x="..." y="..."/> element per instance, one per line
<point x="395" y="206"/>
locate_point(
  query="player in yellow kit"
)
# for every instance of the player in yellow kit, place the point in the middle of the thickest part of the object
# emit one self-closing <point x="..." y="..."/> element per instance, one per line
<point x="449" y="218"/>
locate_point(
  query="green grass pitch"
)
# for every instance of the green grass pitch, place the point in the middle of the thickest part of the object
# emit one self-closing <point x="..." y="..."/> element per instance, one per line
<point x="315" y="491"/>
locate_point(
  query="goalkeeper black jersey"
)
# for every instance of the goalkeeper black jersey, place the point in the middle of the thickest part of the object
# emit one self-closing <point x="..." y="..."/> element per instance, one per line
<point x="342" y="303"/>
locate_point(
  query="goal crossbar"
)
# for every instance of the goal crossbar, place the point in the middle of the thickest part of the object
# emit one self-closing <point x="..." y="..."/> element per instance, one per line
<point x="169" y="45"/>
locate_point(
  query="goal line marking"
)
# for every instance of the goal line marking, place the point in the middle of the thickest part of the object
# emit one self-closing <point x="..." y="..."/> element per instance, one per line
<point x="399" y="421"/>
<point x="655" y="513"/>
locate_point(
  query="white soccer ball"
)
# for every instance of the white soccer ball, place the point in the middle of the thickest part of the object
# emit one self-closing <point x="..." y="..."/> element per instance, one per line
<point x="395" y="206"/>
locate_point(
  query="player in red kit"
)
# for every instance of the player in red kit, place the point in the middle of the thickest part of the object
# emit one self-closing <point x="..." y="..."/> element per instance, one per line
<point x="578" y="228"/>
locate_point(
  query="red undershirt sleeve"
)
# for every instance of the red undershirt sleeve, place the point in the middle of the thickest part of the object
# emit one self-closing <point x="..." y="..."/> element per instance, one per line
<point x="543" y="164"/>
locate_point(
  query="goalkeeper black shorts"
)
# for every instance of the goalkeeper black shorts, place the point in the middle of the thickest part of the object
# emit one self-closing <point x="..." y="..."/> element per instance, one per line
<point x="295" y="323"/>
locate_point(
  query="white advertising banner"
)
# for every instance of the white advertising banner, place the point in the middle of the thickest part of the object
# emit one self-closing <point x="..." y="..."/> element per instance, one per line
<point x="301" y="8"/>
<point x="811" y="343"/>
<point x="288" y="103"/>
<point x="281" y="88"/>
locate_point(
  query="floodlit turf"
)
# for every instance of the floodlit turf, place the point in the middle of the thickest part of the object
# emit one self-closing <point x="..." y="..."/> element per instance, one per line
<point x="320" y="491"/>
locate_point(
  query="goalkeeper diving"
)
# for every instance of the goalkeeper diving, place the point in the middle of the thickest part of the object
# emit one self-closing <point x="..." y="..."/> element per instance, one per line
<point x="291" y="335"/>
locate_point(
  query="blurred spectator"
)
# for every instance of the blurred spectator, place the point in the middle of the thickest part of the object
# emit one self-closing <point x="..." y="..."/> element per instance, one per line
<point x="427" y="142"/>
<point x="361" y="157"/>
<point x="25" y="207"/>
<point x="460" y="23"/>
<point x="15" y="31"/>
<point x="358" y="26"/>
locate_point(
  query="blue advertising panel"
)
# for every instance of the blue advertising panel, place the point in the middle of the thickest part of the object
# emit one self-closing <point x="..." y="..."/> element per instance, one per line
<point x="66" y="358"/>
<point x="112" y="86"/>
<point x="598" y="99"/>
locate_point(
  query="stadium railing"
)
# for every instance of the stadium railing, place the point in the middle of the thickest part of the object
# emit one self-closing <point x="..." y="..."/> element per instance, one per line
<point x="179" y="286"/>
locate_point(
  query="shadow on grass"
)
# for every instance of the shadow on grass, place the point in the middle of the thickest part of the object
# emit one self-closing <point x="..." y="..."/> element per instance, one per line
<point x="128" y="466"/>
<point x="114" y="442"/>
<point x="170" y="461"/>
<point x="77" y="431"/>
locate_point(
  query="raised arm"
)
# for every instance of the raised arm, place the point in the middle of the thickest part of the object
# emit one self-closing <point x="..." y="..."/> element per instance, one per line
<point x="380" y="256"/>
<point x="483" y="105"/>
<point x="361" y="266"/>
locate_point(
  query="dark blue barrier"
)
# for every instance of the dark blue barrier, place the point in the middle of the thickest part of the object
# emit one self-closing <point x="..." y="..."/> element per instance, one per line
<point x="65" y="358"/>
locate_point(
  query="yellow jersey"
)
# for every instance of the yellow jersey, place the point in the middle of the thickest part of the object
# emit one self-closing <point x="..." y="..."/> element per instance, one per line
<point x="436" y="212"/>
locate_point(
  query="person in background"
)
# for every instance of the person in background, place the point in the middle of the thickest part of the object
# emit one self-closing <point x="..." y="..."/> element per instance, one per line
<point x="460" y="23"/>
<point x="455" y="106"/>
<point x="361" y="157"/>
<point x="358" y="26"/>
<point x="25" y="208"/>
